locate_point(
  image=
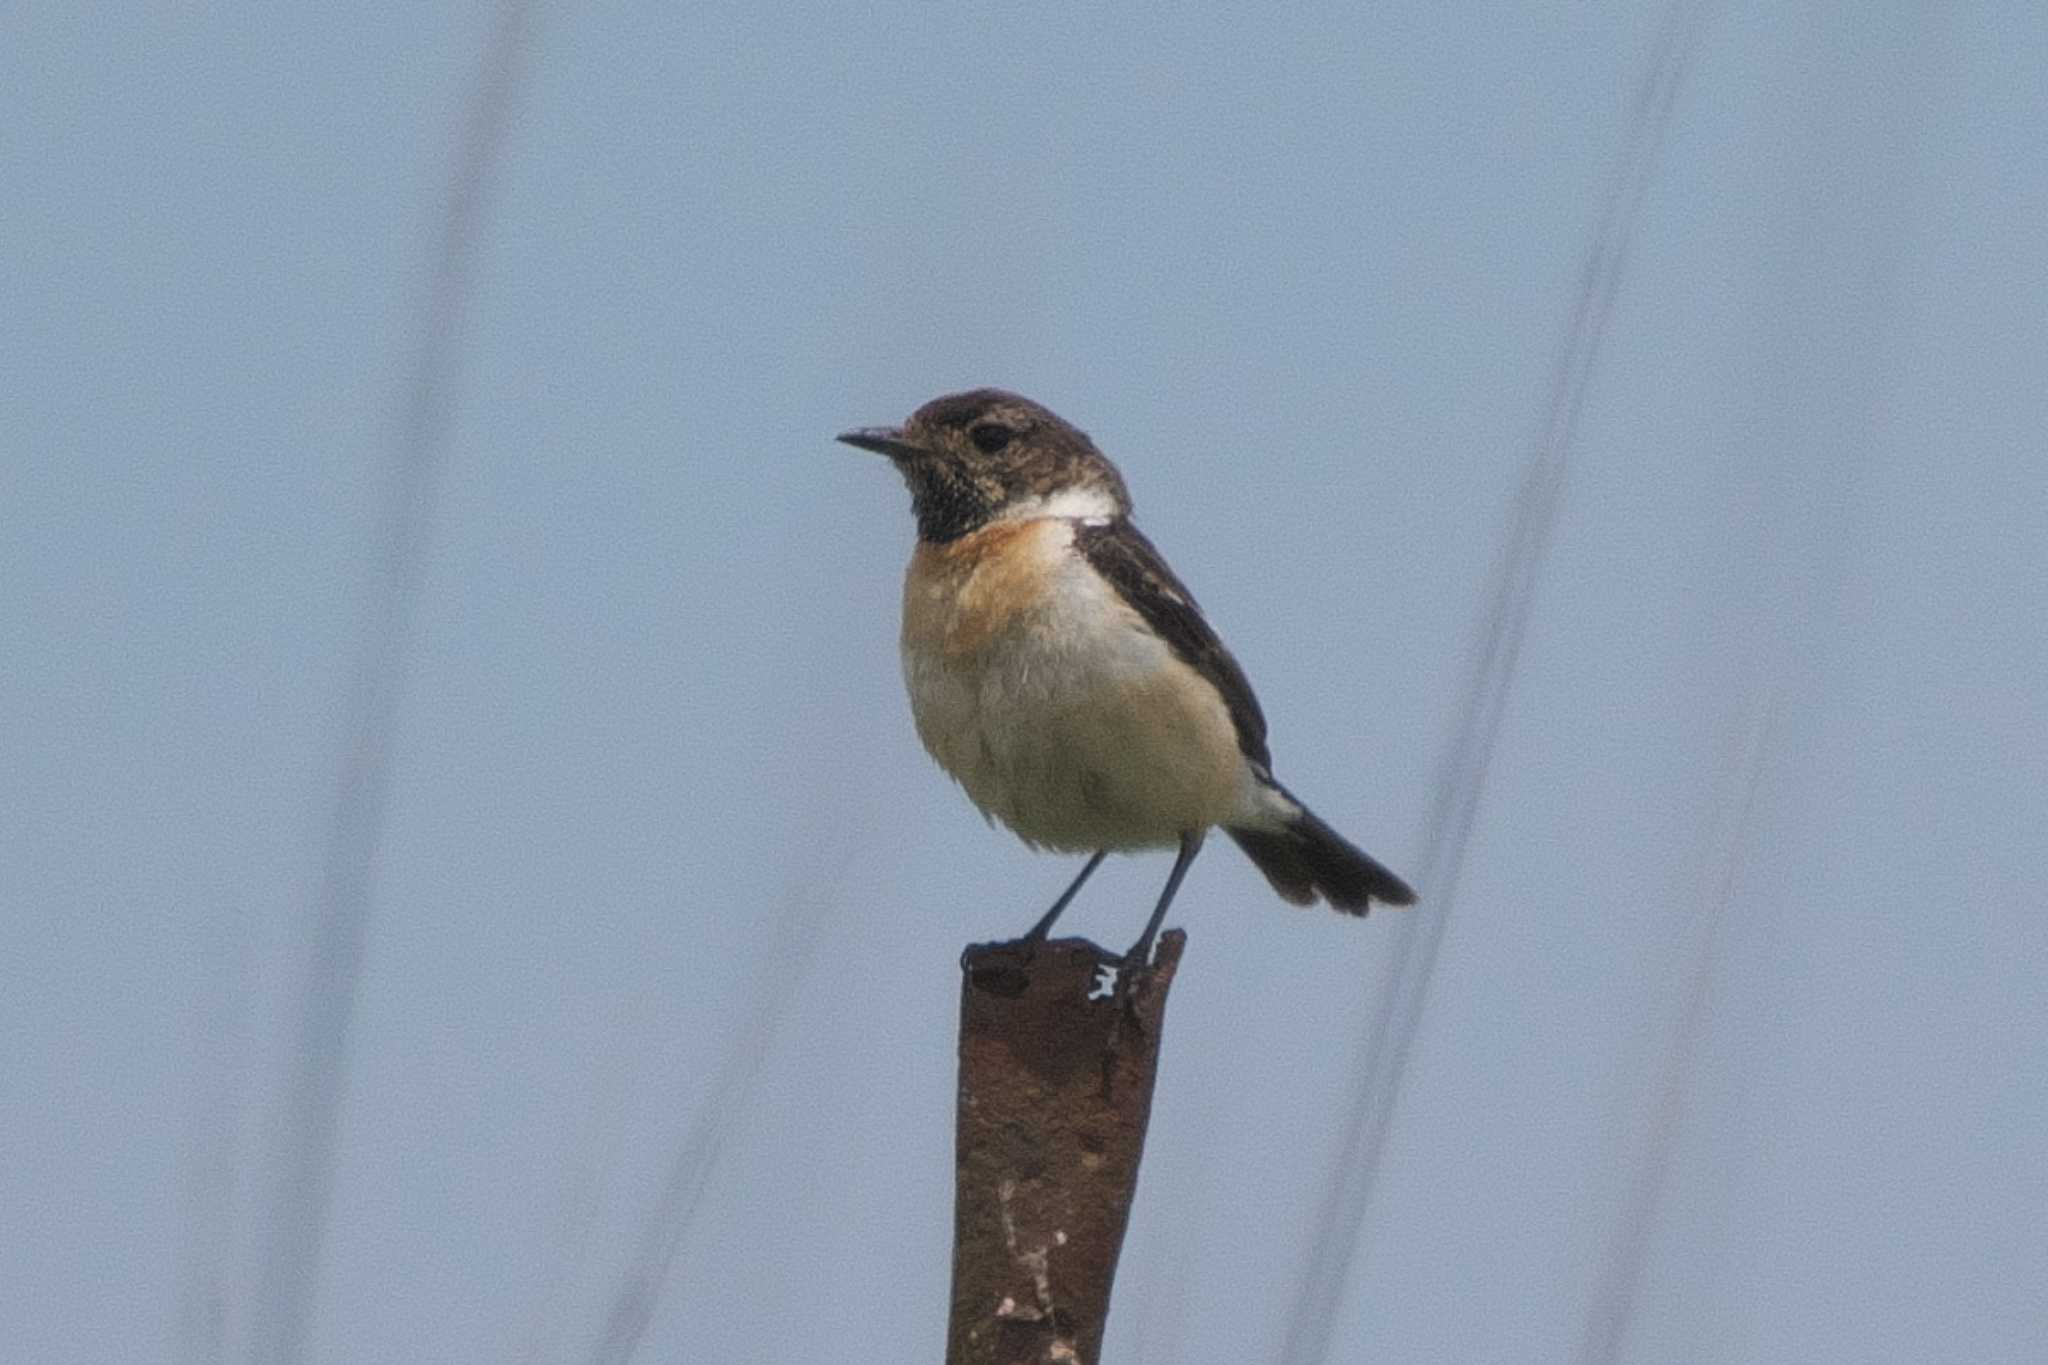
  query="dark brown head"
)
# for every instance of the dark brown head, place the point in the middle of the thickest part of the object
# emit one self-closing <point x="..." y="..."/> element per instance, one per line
<point x="976" y="457"/>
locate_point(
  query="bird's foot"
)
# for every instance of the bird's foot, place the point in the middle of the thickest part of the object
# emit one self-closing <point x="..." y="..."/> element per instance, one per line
<point x="1131" y="979"/>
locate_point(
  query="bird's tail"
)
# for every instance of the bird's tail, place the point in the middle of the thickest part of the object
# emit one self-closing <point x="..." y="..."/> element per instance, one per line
<point x="1306" y="859"/>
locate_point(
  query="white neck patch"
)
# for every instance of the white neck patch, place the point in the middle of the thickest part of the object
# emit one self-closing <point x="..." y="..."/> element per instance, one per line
<point x="1078" y="503"/>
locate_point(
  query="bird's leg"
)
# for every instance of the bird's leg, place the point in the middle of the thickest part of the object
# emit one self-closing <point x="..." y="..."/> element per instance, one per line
<point x="1039" y="930"/>
<point x="1140" y="955"/>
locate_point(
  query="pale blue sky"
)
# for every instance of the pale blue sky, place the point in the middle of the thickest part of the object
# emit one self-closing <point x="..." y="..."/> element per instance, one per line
<point x="1737" y="1034"/>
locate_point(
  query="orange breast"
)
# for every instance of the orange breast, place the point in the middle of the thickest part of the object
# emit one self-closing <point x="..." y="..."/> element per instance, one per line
<point x="959" y="596"/>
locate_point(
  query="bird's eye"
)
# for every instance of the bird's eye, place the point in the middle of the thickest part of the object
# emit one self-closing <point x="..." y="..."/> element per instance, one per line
<point x="989" y="437"/>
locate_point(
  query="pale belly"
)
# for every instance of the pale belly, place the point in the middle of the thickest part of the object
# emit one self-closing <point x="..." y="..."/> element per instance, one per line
<point x="1071" y="723"/>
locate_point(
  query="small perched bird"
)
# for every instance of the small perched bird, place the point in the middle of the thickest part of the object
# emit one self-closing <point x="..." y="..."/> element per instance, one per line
<point x="1061" y="673"/>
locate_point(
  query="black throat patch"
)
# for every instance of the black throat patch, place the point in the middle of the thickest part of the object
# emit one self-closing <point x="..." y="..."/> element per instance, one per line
<point x="948" y="506"/>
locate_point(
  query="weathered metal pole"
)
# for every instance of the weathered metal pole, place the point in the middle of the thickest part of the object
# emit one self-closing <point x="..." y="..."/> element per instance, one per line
<point x="1055" y="1091"/>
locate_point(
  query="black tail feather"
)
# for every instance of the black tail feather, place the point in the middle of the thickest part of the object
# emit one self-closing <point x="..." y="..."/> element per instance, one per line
<point x="1308" y="860"/>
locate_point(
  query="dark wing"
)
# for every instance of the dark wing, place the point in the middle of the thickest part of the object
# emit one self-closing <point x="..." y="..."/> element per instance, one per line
<point x="1121" y="554"/>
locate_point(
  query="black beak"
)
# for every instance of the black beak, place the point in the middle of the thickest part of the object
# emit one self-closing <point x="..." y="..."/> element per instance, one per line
<point x="882" y="440"/>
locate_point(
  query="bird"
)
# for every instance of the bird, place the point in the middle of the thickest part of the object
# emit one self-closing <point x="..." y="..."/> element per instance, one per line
<point x="1067" y="679"/>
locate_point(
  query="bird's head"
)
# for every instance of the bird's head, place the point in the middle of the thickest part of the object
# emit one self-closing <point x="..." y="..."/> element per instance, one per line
<point x="985" y="455"/>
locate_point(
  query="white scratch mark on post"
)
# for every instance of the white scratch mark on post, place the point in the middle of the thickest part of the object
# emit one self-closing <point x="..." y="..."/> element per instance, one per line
<point x="1037" y="1260"/>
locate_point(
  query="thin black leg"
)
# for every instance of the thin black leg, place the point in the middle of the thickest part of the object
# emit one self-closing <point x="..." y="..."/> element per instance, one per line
<point x="1140" y="955"/>
<point x="1044" y="926"/>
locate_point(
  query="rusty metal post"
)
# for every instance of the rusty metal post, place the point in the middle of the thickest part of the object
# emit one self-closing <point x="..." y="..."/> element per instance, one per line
<point x="1055" y="1091"/>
